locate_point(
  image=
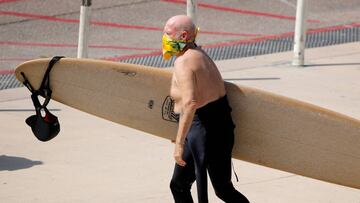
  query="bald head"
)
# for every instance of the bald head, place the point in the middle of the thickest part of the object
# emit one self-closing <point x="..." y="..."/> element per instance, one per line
<point x="180" y="25"/>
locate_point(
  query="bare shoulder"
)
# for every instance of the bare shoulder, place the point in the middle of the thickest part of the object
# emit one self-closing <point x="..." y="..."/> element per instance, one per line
<point x="182" y="67"/>
<point x="189" y="61"/>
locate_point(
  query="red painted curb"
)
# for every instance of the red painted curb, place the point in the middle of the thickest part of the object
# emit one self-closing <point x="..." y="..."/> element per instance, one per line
<point x="6" y="72"/>
<point x="246" y="12"/>
<point x="108" y="24"/>
<point x="10" y="1"/>
<point x="125" y="57"/>
<point x="32" y="44"/>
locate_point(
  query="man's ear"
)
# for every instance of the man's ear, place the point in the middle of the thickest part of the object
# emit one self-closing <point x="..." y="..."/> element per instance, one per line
<point x="184" y="35"/>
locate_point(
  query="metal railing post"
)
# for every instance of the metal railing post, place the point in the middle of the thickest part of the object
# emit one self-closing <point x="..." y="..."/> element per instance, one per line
<point x="85" y="12"/>
<point x="191" y="7"/>
<point x="300" y="34"/>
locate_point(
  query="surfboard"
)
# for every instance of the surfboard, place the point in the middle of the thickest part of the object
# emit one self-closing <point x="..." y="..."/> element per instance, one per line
<point x="271" y="130"/>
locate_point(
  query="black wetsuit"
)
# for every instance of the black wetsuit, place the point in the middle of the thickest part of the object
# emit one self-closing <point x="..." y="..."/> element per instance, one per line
<point x="208" y="147"/>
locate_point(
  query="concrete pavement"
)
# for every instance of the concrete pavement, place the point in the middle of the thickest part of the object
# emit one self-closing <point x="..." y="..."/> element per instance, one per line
<point x="93" y="160"/>
<point x="30" y="29"/>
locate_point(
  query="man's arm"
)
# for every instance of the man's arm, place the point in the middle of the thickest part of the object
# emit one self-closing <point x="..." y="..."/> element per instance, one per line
<point x="186" y="81"/>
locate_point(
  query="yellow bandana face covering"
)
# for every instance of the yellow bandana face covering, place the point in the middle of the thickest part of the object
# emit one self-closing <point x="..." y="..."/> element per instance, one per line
<point x="171" y="47"/>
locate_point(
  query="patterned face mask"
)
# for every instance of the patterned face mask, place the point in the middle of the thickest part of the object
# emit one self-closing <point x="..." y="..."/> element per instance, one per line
<point x="172" y="47"/>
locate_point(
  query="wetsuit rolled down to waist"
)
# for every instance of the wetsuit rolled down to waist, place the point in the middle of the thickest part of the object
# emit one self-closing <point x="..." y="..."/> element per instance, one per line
<point x="208" y="147"/>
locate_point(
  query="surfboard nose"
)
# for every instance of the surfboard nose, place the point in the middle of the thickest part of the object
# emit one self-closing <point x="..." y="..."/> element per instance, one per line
<point x="33" y="70"/>
<point x="20" y="68"/>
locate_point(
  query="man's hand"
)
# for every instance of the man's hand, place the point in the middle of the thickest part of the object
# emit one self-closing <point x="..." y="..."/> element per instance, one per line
<point x="178" y="153"/>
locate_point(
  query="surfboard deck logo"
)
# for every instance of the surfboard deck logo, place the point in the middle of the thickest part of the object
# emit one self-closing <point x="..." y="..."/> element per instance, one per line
<point x="168" y="113"/>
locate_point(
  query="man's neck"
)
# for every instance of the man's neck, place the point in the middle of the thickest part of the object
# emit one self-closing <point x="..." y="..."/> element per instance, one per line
<point x="190" y="45"/>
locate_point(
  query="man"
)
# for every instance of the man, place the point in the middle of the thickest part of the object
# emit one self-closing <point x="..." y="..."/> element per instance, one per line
<point x="205" y="134"/>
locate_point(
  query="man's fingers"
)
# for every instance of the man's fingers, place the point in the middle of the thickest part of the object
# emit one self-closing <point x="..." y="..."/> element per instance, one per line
<point x="179" y="150"/>
<point x="180" y="161"/>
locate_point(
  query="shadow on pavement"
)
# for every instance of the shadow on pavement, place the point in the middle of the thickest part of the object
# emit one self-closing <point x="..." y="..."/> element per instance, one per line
<point x="24" y="110"/>
<point x="252" y="78"/>
<point x="12" y="163"/>
<point x="332" y="64"/>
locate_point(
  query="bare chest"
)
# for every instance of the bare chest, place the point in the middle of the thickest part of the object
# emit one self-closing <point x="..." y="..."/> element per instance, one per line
<point x="174" y="89"/>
